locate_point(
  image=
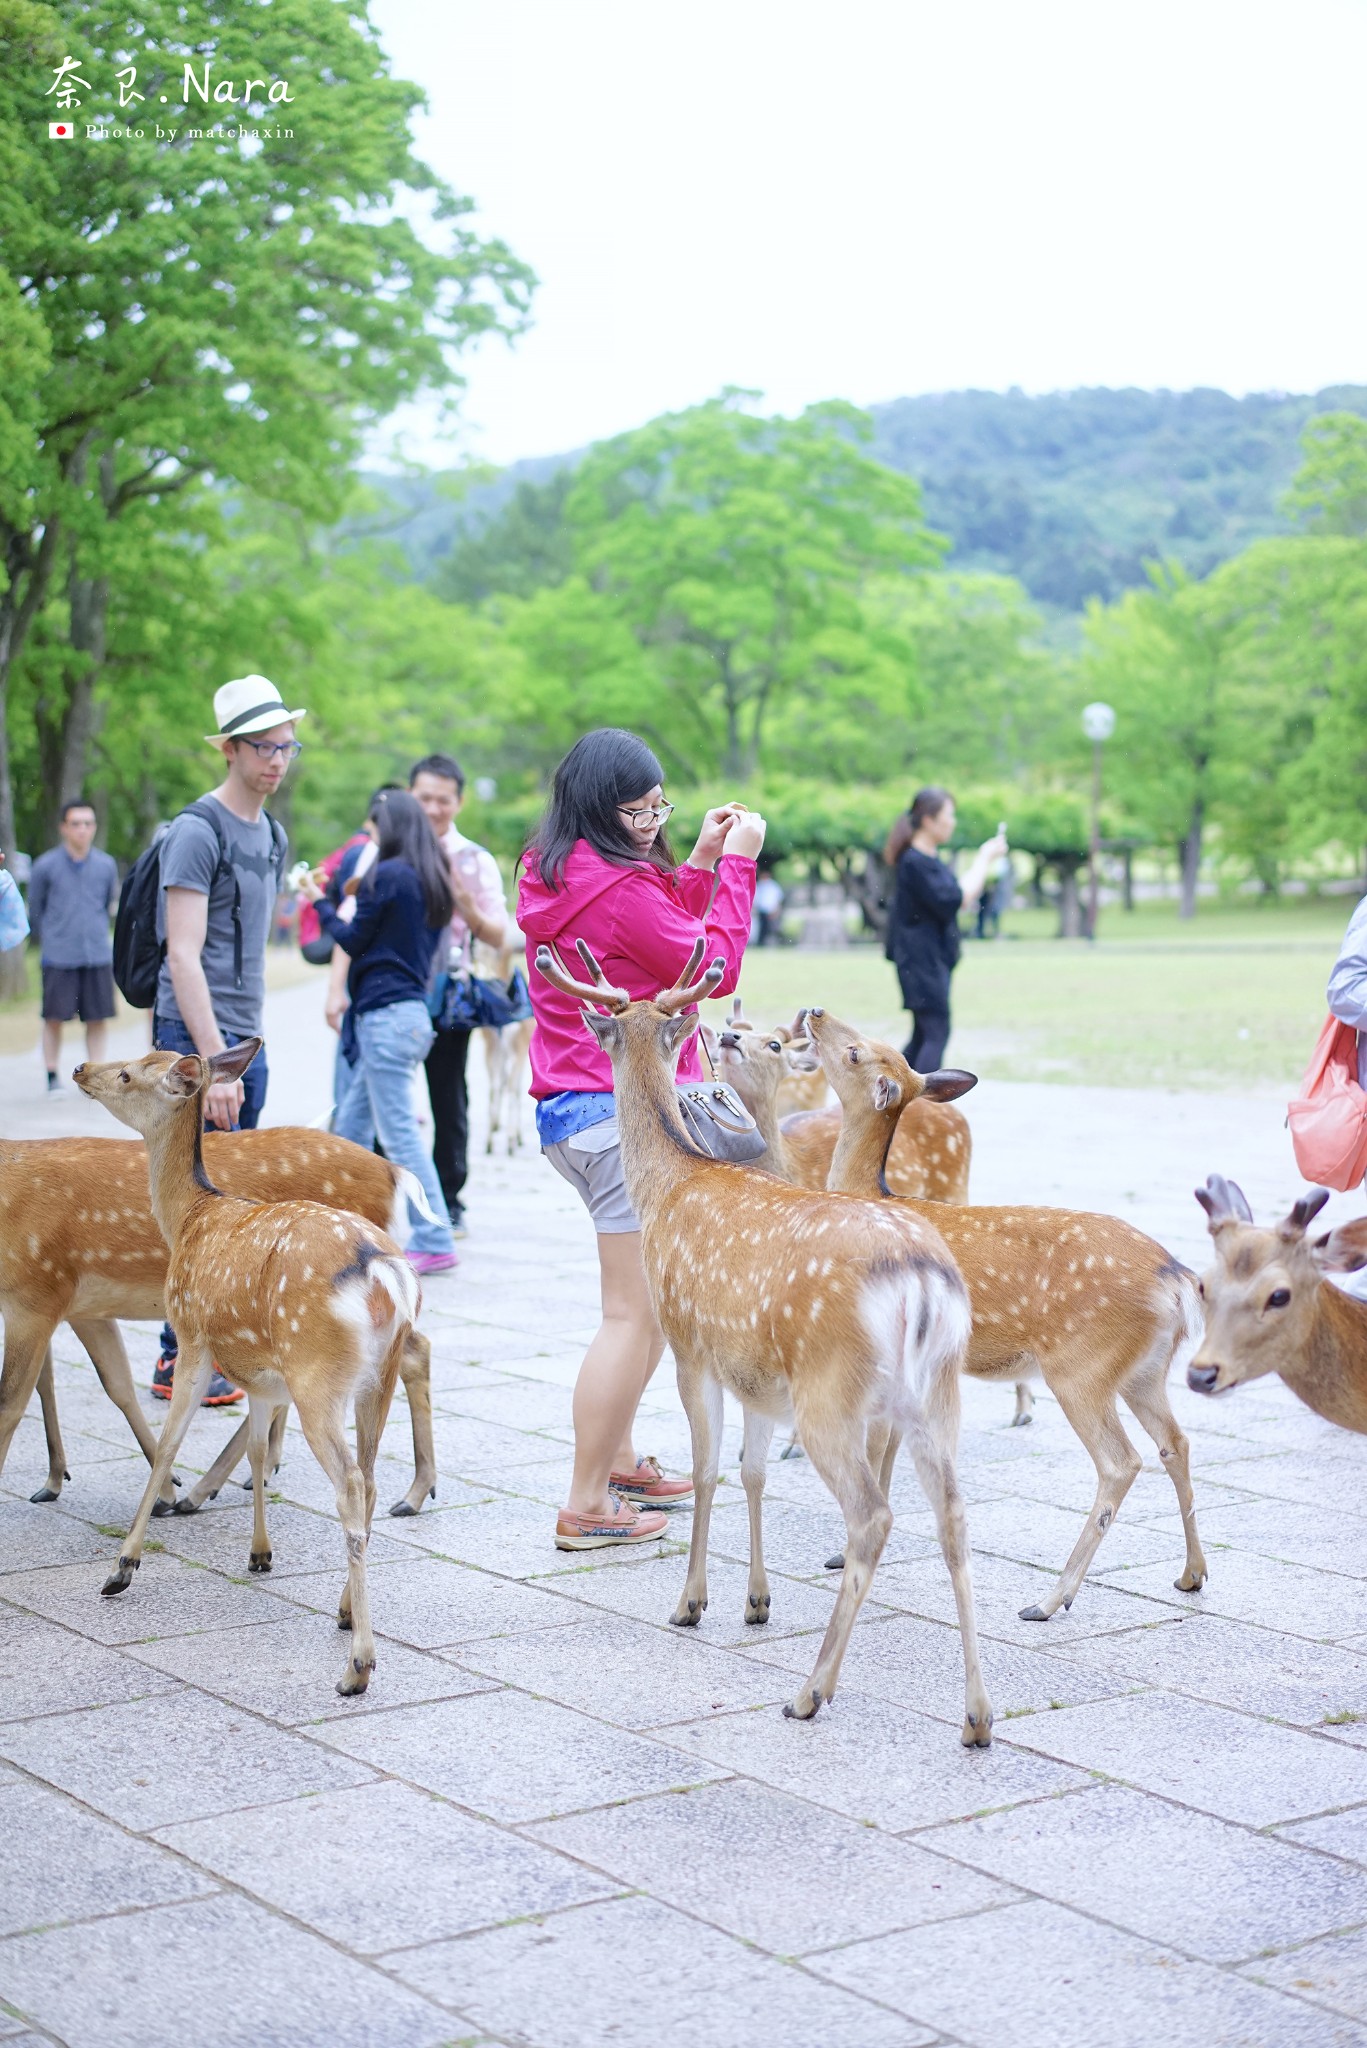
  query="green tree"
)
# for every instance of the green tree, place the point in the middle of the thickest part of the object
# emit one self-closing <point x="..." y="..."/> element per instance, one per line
<point x="209" y="314"/>
<point x="736" y="549"/>
<point x="1330" y="488"/>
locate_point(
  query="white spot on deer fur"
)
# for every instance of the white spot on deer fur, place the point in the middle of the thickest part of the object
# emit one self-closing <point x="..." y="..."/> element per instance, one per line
<point x="34" y="1246"/>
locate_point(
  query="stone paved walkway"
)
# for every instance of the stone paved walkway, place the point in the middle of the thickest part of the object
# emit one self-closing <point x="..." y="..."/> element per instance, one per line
<point x="555" y="1821"/>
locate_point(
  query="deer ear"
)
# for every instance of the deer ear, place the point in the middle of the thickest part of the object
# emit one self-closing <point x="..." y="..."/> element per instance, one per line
<point x="885" y="1092"/>
<point x="604" y="1028"/>
<point x="233" y="1064"/>
<point x="186" y="1077"/>
<point x="947" y="1084"/>
<point x="681" y="1025"/>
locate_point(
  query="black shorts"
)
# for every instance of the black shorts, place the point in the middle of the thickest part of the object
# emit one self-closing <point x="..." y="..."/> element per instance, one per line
<point x="84" y="992"/>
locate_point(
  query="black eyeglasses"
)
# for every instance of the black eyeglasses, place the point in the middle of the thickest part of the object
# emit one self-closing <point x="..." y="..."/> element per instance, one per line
<point x="288" y="750"/>
<point x="653" y="814"/>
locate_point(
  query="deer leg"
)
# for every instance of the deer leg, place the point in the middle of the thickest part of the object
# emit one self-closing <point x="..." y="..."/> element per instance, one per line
<point x="372" y="1412"/>
<point x="1025" y="1405"/>
<point x="884" y="1442"/>
<point x="1148" y="1403"/>
<point x="933" y="1442"/>
<point x="193" y="1368"/>
<point x="323" y="1426"/>
<point x="52" y="1430"/>
<point x="218" y="1474"/>
<point x="701" y="1397"/>
<point x="27" y="1337"/>
<point x="840" y="1456"/>
<point x="260" y="1422"/>
<point x="759" y="1430"/>
<point x="415" y="1368"/>
<point x="104" y="1345"/>
<point x="1117" y="1463"/>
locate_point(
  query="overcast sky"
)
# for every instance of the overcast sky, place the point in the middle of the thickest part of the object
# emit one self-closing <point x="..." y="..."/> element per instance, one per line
<point x="866" y="198"/>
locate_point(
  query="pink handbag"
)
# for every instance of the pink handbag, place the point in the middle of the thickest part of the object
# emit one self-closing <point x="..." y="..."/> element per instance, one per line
<point x="1328" y="1119"/>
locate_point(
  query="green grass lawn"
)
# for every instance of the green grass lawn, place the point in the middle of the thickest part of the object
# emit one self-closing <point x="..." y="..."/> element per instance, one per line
<point x="1232" y="1000"/>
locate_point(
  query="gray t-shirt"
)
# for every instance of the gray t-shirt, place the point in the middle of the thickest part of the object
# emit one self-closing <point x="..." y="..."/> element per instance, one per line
<point x="189" y="858"/>
<point x="69" y="904"/>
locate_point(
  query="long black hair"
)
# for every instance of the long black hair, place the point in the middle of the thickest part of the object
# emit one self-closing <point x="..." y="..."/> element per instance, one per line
<point x="600" y="772"/>
<point x="405" y="834"/>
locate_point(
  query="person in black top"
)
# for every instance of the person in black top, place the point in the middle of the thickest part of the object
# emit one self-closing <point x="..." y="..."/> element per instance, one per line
<point x="923" y="928"/>
<point x="403" y="906"/>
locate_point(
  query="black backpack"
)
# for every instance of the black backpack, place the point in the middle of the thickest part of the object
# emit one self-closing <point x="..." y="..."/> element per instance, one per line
<point x="138" y="952"/>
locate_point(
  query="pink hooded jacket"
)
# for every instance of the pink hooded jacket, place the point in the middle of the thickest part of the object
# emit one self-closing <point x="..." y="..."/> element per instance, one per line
<point x="640" y="925"/>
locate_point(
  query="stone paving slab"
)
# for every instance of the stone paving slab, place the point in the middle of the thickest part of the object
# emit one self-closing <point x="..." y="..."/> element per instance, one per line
<point x="517" y="1759"/>
<point x="1037" y="1973"/>
<point x="1199" y="1884"/>
<point x="548" y="1786"/>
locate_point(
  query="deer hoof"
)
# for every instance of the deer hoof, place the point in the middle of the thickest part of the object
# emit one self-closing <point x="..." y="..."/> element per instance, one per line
<point x="260" y="1561"/>
<point x="757" y="1608"/>
<point x="344" y="1622"/>
<point x="836" y="1563"/>
<point x="804" y="1707"/>
<point x="403" y="1507"/>
<point x="1023" y="1421"/>
<point x="120" y="1580"/>
<point x="44" y="1493"/>
<point x="184" y="1507"/>
<point x="162" y="1508"/>
<point x="1033" y="1614"/>
<point x="1190" y="1582"/>
<point x="688" y="1614"/>
<point x="356" y="1677"/>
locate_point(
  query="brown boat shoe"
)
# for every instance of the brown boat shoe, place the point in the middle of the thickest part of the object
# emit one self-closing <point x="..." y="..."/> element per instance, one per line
<point x="647" y="1486"/>
<point x="625" y="1524"/>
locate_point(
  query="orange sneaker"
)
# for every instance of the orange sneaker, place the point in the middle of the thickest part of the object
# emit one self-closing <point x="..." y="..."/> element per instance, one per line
<point x="647" y="1486"/>
<point x="625" y="1524"/>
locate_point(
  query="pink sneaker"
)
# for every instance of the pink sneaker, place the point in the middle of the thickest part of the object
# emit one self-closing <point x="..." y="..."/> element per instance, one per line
<point x="431" y="1262"/>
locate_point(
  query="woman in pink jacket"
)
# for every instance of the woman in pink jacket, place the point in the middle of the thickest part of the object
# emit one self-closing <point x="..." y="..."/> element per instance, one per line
<point x="600" y="869"/>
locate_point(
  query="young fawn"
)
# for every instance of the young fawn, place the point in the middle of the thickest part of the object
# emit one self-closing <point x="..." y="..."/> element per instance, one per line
<point x="932" y="1146"/>
<point x="1093" y="1306"/>
<point x="294" y="1301"/>
<point x="835" y="1312"/>
<point x="1269" y="1308"/>
<point x="79" y="1244"/>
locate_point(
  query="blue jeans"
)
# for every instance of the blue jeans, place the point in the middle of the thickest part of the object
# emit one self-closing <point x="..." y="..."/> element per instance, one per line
<point x="170" y="1035"/>
<point x="392" y="1044"/>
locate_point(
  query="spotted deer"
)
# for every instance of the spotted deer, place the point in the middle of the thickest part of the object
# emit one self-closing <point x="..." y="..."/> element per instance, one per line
<point x="1091" y="1305"/>
<point x="79" y="1244"/>
<point x="1269" y="1307"/>
<point x="505" y="1052"/>
<point x="828" y="1310"/>
<point x="753" y="1063"/>
<point x="295" y="1302"/>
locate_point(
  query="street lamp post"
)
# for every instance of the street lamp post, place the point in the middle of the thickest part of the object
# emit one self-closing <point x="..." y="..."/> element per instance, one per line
<point x="1098" y="723"/>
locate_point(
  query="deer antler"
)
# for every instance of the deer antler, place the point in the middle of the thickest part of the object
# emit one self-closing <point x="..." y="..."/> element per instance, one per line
<point x="685" y="990"/>
<point x="1224" y="1201"/>
<point x="601" y="993"/>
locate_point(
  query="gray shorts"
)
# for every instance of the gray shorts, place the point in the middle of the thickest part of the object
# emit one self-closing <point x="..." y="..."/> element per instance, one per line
<point x="591" y="1161"/>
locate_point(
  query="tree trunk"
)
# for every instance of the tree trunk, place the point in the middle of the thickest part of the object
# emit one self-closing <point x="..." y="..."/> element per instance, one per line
<point x="1069" y="900"/>
<point x="1190" y="852"/>
<point x="80" y="718"/>
<point x="1128" y="883"/>
<point x="16" y="616"/>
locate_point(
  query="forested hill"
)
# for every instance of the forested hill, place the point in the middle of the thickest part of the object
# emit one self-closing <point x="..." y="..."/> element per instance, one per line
<point x="1074" y="491"/>
<point x="1071" y="492"/>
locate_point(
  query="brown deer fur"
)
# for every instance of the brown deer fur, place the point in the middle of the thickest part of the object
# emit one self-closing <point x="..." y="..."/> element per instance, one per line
<point x="832" y="1311"/>
<point x="1269" y="1308"/>
<point x="1093" y="1306"/>
<point x="295" y="1302"/>
<point x="79" y="1244"/>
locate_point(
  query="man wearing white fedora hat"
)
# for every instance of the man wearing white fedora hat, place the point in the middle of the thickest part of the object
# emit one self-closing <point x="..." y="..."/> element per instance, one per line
<point x="222" y="861"/>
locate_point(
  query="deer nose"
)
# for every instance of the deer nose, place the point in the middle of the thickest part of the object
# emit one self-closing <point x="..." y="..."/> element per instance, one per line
<point x="1201" y="1378"/>
<point x="730" y="1039"/>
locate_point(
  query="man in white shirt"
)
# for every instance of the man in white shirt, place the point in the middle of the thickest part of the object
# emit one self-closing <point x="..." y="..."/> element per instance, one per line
<point x="481" y="912"/>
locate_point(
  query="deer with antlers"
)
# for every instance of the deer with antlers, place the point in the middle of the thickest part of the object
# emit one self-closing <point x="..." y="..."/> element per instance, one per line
<point x="1269" y="1307"/>
<point x="294" y="1301"/>
<point x="834" y="1312"/>
<point x="79" y="1244"/>
<point x="1095" y="1308"/>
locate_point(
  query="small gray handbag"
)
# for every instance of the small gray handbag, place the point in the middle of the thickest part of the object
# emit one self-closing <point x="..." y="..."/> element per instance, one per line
<point x="718" y="1122"/>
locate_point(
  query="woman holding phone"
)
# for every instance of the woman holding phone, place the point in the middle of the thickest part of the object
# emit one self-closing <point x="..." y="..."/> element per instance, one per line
<point x="600" y="869"/>
<point x="923" y="924"/>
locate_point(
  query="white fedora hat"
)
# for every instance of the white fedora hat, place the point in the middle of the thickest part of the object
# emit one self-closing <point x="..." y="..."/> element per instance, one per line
<point x="249" y="704"/>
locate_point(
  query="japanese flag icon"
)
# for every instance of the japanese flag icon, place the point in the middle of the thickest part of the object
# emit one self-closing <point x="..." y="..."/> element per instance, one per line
<point x="61" y="131"/>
